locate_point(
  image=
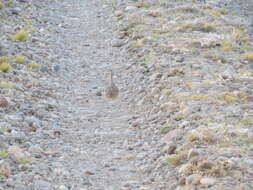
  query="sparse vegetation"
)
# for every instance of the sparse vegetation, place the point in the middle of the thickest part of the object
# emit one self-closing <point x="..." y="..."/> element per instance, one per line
<point x="165" y="130"/>
<point x="20" y="36"/>
<point x="226" y="45"/>
<point x="4" y="59"/>
<point x="1" y="5"/>
<point x="5" y="67"/>
<point x="23" y="160"/>
<point x="3" y="153"/>
<point x="19" y="59"/>
<point x="33" y="65"/>
<point x="173" y="159"/>
<point x="248" y="56"/>
<point x="4" y="84"/>
<point x="218" y="12"/>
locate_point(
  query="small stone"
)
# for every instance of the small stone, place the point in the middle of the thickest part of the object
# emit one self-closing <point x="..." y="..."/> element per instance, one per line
<point x="154" y="13"/>
<point x="192" y="152"/>
<point x="193" y="179"/>
<point x="170" y="149"/>
<point x="56" y="68"/>
<point x="118" y="13"/>
<point x="89" y="172"/>
<point x="5" y="169"/>
<point x="63" y="187"/>
<point x="98" y="93"/>
<point x="16" y="11"/>
<point x="185" y="169"/>
<point x="156" y="76"/>
<point x="180" y="59"/>
<point x="118" y="43"/>
<point x="135" y="124"/>
<point x="14" y="149"/>
<point x="3" y="102"/>
<point x="42" y="185"/>
<point x="172" y="135"/>
<point x="208" y="181"/>
<point x="182" y="181"/>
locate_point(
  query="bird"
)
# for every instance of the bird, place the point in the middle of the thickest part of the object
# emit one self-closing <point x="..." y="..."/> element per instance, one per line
<point x="112" y="91"/>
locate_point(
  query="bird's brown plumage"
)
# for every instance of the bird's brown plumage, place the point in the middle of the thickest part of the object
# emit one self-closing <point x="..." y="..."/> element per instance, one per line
<point x="112" y="90"/>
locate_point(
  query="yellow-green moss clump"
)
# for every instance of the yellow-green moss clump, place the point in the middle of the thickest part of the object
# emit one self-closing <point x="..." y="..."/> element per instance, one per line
<point x="20" y="36"/>
<point x="5" y="67"/>
<point x="165" y="130"/>
<point x="3" y="153"/>
<point x="247" y="120"/>
<point x="173" y="159"/>
<point x="4" y="59"/>
<point x="4" y="84"/>
<point x="23" y="160"/>
<point x="19" y="59"/>
<point x="218" y="12"/>
<point x="1" y="5"/>
<point x="33" y="65"/>
<point x="248" y="56"/>
<point x="229" y="98"/>
<point x="226" y="45"/>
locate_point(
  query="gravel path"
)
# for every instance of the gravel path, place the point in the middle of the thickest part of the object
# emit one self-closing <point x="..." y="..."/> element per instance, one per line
<point x="94" y="132"/>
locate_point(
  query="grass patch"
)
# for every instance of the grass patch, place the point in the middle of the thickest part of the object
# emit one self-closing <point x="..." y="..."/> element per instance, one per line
<point x="3" y="153"/>
<point x="23" y="160"/>
<point x="1" y="5"/>
<point x="20" y="36"/>
<point x="218" y="12"/>
<point x="165" y="130"/>
<point x="6" y="85"/>
<point x="226" y="45"/>
<point x="33" y="65"/>
<point x="19" y="59"/>
<point x="4" y="59"/>
<point x="5" y="67"/>
<point x="248" y="56"/>
<point x="173" y="159"/>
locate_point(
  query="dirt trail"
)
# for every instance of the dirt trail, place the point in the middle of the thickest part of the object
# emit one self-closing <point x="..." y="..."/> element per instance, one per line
<point x="95" y="132"/>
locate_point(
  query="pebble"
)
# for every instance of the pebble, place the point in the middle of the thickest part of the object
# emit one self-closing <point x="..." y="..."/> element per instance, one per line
<point x="208" y="181"/>
<point x="192" y="153"/>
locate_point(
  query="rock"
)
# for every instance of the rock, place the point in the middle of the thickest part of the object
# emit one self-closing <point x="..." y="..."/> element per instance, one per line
<point x="154" y="13"/>
<point x="118" y="13"/>
<point x="170" y="149"/>
<point x="16" y="11"/>
<point x="63" y="187"/>
<point x="99" y="93"/>
<point x="5" y="169"/>
<point x="172" y="135"/>
<point x="182" y="181"/>
<point x="180" y="59"/>
<point x="130" y="8"/>
<point x="3" y="102"/>
<point x="56" y="68"/>
<point x="207" y="181"/>
<point x="35" y="149"/>
<point x="89" y="172"/>
<point x="118" y="43"/>
<point x="192" y="152"/>
<point x="193" y="179"/>
<point x="42" y="185"/>
<point x="156" y="76"/>
<point x="185" y="169"/>
<point x="14" y="149"/>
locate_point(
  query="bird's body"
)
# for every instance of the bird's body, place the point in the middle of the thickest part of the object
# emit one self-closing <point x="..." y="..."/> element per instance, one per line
<point x="112" y="90"/>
